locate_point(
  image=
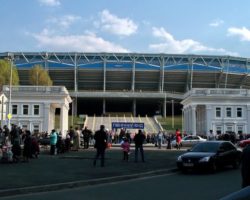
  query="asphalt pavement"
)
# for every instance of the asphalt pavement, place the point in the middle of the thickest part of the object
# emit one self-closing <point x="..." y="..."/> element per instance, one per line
<point x="75" y="169"/>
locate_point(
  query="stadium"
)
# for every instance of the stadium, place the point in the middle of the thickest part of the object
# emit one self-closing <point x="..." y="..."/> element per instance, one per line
<point x="137" y="83"/>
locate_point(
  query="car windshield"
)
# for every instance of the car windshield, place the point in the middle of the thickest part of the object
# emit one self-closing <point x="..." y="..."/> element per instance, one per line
<point x="206" y="147"/>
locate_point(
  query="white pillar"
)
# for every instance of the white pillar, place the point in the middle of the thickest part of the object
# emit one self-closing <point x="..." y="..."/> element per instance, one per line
<point x="193" y="113"/>
<point x="134" y="107"/>
<point x="104" y="106"/>
<point x="46" y="114"/>
<point x="186" y="119"/>
<point x="164" y="108"/>
<point x="64" y="119"/>
<point x="248" y="118"/>
<point x="208" y="118"/>
<point x="189" y="120"/>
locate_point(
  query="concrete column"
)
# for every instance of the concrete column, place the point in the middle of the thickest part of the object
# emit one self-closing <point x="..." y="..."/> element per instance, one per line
<point x="183" y="122"/>
<point x="134" y="107"/>
<point x="104" y="74"/>
<point x="161" y="78"/>
<point x="188" y="117"/>
<point x="46" y="114"/>
<point x="75" y="74"/>
<point x="74" y="107"/>
<point x="248" y="118"/>
<point x="208" y="118"/>
<point x="164" y="108"/>
<point x="133" y="76"/>
<point x="193" y="113"/>
<point x="103" y="106"/>
<point x="64" y="120"/>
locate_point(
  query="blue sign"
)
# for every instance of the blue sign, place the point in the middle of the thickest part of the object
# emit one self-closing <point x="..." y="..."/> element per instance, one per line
<point x="127" y="125"/>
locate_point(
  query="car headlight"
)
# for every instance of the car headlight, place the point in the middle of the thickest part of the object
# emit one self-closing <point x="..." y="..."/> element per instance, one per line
<point x="205" y="159"/>
<point x="179" y="158"/>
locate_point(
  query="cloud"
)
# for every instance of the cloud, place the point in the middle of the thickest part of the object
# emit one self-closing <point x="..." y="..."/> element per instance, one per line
<point x="50" y="2"/>
<point x="171" y="45"/>
<point x="115" y="25"/>
<point x="216" y="23"/>
<point x="88" y="42"/>
<point x="243" y="33"/>
<point x="65" y="21"/>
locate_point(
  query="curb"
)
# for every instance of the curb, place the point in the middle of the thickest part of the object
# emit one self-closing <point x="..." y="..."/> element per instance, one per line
<point x="74" y="184"/>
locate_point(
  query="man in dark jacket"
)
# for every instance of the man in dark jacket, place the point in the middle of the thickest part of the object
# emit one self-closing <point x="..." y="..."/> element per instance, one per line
<point x="245" y="167"/>
<point x="139" y="140"/>
<point x="100" y="144"/>
<point x="87" y="133"/>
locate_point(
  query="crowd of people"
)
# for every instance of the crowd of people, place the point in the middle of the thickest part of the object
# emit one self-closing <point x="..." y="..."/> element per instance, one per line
<point x="18" y="145"/>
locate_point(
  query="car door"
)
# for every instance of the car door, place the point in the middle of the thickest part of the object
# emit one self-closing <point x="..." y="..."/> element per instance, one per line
<point x="232" y="152"/>
<point x="225" y="154"/>
<point x="186" y="142"/>
<point x="195" y="140"/>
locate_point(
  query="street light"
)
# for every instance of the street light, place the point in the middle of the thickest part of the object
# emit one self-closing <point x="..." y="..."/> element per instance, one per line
<point x="72" y="112"/>
<point x="172" y="101"/>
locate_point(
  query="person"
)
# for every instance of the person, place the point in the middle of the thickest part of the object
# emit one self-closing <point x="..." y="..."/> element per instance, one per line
<point x="72" y="136"/>
<point x="178" y="138"/>
<point x="16" y="150"/>
<point x="35" y="149"/>
<point x="14" y="134"/>
<point x="53" y="141"/>
<point x="169" y="142"/>
<point x="126" y="149"/>
<point x="77" y="139"/>
<point x="139" y="140"/>
<point x="67" y="143"/>
<point x="160" y="139"/>
<point x="245" y="167"/>
<point x="6" y="133"/>
<point x="86" y="136"/>
<point x="211" y="135"/>
<point x="100" y="138"/>
<point x="27" y="146"/>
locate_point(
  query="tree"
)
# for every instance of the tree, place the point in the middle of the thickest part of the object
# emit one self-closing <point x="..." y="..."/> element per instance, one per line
<point x="5" y="73"/>
<point x="39" y="76"/>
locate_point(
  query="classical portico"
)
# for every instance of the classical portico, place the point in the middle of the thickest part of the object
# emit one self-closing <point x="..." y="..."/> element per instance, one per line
<point x="34" y="107"/>
<point x="220" y="110"/>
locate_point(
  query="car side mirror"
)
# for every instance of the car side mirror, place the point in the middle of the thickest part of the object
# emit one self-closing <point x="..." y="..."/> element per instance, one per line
<point x="188" y="150"/>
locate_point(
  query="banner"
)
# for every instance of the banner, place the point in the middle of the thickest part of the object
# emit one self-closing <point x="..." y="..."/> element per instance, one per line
<point x="127" y="125"/>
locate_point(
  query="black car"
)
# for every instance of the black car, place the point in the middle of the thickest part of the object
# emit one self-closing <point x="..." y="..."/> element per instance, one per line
<point x="210" y="155"/>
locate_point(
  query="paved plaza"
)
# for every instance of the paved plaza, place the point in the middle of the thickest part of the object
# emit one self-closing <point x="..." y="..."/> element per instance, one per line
<point x="74" y="169"/>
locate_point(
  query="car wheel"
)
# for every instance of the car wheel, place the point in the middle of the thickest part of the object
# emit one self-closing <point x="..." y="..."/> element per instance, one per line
<point x="236" y="164"/>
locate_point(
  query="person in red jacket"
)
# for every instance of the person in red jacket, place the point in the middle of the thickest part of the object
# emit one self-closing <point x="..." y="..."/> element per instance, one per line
<point x="178" y="138"/>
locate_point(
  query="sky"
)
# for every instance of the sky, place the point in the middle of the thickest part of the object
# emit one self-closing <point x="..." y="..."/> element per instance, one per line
<point x="206" y="27"/>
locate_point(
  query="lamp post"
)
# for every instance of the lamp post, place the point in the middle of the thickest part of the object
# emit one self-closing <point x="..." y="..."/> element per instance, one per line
<point x="2" y="110"/>
<point x="172" y="101"/>
<point x="72" y="112"/>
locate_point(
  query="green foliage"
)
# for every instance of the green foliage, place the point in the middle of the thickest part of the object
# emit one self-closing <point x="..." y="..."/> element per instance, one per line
<point x="77" y="121"/>
<point x="168" y="124"/>
<point x="39" y="76"/>
<point x="5" y="73"/>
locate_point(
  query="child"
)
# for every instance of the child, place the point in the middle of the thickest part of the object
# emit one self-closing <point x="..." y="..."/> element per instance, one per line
<point x="126" y="149"/>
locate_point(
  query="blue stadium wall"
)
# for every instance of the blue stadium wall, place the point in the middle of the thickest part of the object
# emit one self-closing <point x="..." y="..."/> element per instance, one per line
<point x="133" y="72"/>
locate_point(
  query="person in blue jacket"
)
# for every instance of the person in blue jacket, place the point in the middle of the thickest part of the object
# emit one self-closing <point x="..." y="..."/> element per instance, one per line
<point x="53" y="141"/>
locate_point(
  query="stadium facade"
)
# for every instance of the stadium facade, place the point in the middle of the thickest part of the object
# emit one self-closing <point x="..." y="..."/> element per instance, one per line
<point x="138" y="83"/>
